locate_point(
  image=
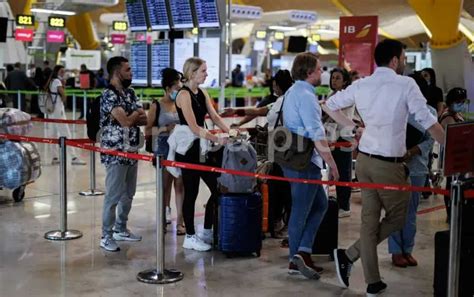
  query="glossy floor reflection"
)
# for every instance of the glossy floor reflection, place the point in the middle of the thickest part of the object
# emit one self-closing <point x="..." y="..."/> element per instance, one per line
<point x="33" y="266"/>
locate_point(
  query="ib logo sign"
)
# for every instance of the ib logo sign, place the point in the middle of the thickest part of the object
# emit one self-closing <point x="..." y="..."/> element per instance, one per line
<point x="361" y="34"/>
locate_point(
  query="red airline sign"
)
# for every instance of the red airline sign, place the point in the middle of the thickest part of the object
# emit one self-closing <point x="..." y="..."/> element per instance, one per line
<point x="24" y="35"/>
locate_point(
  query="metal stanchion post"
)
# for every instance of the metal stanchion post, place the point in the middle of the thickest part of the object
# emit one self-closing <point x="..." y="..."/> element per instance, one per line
<point x="85" y="105"/>
<point x="160" y="275"/>
<point x="63" y="233"/>
<point x="74" y="106"/>
<point x="18" y="98"/>
<point x="455" y="237"/>
<point x="92" y="191"/>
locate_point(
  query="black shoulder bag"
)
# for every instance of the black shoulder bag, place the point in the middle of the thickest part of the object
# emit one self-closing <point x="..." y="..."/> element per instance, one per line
<point x="290" y="150"/>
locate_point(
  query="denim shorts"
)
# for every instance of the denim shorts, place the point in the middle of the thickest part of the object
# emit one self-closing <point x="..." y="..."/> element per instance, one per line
<point x="162" y="147"/>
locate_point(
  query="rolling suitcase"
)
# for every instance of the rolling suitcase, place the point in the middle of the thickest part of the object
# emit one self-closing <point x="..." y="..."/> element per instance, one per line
<point x="326" y="238"/>
<point x="240" y="224"/>
<point x="441" y="265"/>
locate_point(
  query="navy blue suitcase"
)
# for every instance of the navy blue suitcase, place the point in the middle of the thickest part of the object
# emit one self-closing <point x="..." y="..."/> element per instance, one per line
<point x="240" y="224"/>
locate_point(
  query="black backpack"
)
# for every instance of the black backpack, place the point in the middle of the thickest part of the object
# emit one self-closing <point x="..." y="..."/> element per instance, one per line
<point x="93" y="116"/>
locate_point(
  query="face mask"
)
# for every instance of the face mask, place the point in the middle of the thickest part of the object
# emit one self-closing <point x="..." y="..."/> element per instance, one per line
<point x="457" y="107"/>
<point x="173" y="95"/>
<point x="126" y="83"/>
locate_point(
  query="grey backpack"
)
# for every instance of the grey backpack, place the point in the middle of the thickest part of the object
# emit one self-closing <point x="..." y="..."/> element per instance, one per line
<point x="241" y="156"/>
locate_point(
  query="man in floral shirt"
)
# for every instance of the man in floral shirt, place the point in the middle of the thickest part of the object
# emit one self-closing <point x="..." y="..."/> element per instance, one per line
<point x="120" y="117"/>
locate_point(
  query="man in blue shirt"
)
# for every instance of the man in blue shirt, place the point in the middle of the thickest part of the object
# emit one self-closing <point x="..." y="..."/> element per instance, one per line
<point x="302" y="115"/>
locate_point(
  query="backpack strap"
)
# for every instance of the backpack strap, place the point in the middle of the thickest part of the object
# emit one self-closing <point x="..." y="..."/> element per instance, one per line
<point x="158" y="111"/>
<point x="280" y="114"/>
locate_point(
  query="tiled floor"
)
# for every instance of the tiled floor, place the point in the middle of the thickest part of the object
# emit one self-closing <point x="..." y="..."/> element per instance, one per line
<point x="33" y="266"/>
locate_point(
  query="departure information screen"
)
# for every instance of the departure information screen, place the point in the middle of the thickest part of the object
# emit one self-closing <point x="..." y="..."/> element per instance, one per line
<point x="181" y="14"/>
<point x="139" y="63"/>
<point x="136" y="15"/>
<point x="207" y="13"/>
<point x="160" y="59"/>
<point x="158" y="14"/>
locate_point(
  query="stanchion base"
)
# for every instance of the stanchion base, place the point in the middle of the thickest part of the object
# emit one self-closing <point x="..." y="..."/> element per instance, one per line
<point x="91" y="193"/>
<point x="58" y="235"/>
<point x="151" y="276"/>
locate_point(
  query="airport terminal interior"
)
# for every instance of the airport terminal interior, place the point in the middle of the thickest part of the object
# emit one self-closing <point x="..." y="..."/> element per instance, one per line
<point x="247" y="47"/>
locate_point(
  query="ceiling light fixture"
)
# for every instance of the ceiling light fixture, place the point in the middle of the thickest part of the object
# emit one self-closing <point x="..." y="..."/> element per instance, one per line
<point x="282" y="28"/>
<point x="51" y="11"/>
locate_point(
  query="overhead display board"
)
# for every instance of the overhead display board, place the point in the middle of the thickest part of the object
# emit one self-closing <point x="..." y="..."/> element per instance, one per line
<point x="136" y="15"/>
<point x="25" y="20"/>
<point x="209" y="50"/>
<point x="160" y="59"/>
<point x="207" y="13"/>
<point x="158" y="14"/>
<point x="119" y="26"/>
<point x="183" y="49"/>
<point x="181" y="14"/>
<point x="139" y="63"/>
<point x="56" y="22"/>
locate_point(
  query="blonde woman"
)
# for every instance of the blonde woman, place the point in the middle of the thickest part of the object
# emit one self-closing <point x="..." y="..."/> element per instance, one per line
<point x="193" y="104"/>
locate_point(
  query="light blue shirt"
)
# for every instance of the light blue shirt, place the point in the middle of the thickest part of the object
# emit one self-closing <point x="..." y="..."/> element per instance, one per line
<point x="418" y="164"/>
<point x="302" y="115"/>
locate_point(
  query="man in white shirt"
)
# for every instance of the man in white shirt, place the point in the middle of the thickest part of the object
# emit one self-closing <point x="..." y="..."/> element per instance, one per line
<point x="325" y="77"/>
<point x="384" y="101"/>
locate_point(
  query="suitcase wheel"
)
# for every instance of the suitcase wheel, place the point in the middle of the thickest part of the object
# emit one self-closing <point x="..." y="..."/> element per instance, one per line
<point x="19" y="193"/>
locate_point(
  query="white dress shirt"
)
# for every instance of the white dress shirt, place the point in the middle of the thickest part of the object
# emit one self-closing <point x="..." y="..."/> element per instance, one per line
<point x="325" y="78"/>
<point x="384" y="101"/>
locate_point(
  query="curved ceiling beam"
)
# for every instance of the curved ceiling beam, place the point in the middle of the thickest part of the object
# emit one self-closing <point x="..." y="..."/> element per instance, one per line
<point x="441" y="18"/>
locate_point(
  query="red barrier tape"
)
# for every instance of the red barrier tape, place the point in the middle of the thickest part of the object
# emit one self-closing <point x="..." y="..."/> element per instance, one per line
<point x="90" y="147"/>
<point x="59" y="121"/>
<point x="29" y="138"/>
<point x="467" y="194"/>
<point x="85" y="144"/>
<point x="40" y="139"/>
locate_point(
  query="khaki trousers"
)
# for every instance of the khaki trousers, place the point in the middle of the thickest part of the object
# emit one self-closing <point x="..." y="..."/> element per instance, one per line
<point x="395" y="204"/>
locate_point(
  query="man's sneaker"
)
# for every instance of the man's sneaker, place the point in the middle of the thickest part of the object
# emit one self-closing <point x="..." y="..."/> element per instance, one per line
<point x="168" y="215"/>
<point x="343" y="266"/>
<point x="193" y="242"/>
<point x="305" y="265"/>
<point x="344" y="213"/>
<point x="293" y="269"/>
<point x="207" y="236"/>
<point x="55" y="161"/>
<point x="376" y="288"/>
<point x="109" y="244"/>
<point x="77" y="161"/>
<point x="126" y="236"/>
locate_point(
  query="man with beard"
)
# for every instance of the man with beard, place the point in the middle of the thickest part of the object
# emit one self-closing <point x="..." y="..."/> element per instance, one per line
<point x="384" y="101"/>
<point x="121" y="114"/>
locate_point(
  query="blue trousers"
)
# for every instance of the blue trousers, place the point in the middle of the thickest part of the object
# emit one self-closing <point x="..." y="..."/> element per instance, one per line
<point x="309" y="204"/>
<point x="403" y="241"/>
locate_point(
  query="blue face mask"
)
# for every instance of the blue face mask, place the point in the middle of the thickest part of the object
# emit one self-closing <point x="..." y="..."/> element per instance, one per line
<point x="457" y="107"/>
<point x="173" y="95"/>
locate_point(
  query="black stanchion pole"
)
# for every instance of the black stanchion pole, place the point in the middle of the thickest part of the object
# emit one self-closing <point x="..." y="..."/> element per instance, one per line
<point x="160" y="275"/>
<point x="455" y="237"/>
<point x="63" y="233"/>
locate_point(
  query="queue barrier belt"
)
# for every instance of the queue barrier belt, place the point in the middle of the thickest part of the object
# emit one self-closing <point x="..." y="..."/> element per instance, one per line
<point x="86" y="144"/>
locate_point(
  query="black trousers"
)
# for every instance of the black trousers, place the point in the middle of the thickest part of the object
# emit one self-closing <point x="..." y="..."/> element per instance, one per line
<point x="191" y="179"/>
<point x="343" y="161"/>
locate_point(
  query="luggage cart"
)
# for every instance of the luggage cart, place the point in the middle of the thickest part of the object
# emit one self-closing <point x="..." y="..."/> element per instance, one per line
<point x="34" y="171"/>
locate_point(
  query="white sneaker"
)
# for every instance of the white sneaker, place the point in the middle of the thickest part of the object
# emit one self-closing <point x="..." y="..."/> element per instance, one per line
<point x="77" y="161"/>
<point x="344" y="213"/>
<point x="207" y="236"/>
<point x="168" y="215"/>
<point x="109" y="244"/>
<point x="193" y="242"/>
<point x="126" y="236"/>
